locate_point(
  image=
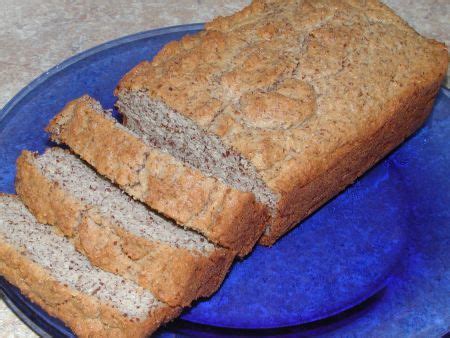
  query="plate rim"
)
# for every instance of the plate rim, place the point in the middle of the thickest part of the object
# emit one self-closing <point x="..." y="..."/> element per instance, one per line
<point x="15" y="309"/>
<point x="21" y="94"/>
<point x="6" y="110"/>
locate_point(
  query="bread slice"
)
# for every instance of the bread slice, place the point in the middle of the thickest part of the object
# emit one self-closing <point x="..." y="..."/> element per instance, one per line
<point x="290" y="100"/>
<point x="226" y="216"/>
<point x="115" y="232"/>
<point x="51" y="273"/>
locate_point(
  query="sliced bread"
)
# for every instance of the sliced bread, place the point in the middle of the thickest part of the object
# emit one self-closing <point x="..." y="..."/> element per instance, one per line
<point x="291" y="100"/>
<point x="225" y="215"/>
<point x="50" y="272"/>
<point x="117" y="233"/>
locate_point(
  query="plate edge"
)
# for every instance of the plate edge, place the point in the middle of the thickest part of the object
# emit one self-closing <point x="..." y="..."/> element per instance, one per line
<point x="8" y="107"/>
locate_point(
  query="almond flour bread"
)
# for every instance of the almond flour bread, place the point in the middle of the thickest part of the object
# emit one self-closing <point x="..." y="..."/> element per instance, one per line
<point x="117" y="233"/>
<point x="289" y="99"/>
<point x="225" y="215"/>
<point x="50" y="272"/>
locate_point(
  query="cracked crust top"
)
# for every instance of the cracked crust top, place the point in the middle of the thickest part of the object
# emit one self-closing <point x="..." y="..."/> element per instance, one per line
<point x="288" y="82"/>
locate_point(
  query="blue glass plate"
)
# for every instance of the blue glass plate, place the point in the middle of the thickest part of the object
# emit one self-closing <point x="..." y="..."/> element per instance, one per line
<point x="339" y="257"/>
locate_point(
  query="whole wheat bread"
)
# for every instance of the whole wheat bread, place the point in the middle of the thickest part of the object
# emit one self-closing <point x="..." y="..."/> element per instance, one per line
<point x="223" y="214"/>
<point x="291" y="100"/>
<point x="115" y="232"/>
<point x="50" y="272"/>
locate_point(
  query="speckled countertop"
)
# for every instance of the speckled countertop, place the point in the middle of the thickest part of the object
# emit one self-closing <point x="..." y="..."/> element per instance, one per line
<point x="38" y="34"/>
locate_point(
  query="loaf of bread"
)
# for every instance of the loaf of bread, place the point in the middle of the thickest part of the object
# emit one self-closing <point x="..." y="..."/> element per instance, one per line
<point x="290" y="100"/>
<point x="226" y="216"/>
<point x="50" y="272"/>
<point x="117" y="233"/>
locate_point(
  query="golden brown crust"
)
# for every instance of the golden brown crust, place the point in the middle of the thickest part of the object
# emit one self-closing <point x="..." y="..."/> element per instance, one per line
<point x="353" y="161"/>
<point x="84" y="314"/>
<point x="159" y="180"/>
<point x="175" y="275"/>
<point x="291" y="85"/>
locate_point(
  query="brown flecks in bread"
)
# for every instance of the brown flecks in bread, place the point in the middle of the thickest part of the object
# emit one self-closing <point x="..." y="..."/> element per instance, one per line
<point x="117" y="233"/>
<point x="48" y="270"/>
<point x="158" y="179"/>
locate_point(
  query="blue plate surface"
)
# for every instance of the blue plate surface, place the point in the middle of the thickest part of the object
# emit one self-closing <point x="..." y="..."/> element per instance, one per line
<point x="376" y="233"/>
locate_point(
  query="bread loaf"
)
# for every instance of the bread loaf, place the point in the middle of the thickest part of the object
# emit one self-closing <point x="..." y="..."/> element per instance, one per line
<point x="291" y="100"/>
<point x="51" y="273"/>
<point x="226" y="216"/>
